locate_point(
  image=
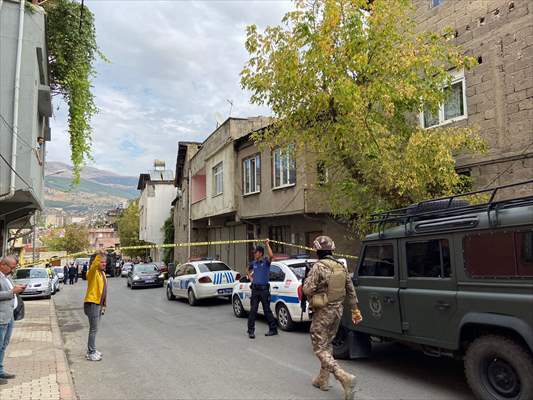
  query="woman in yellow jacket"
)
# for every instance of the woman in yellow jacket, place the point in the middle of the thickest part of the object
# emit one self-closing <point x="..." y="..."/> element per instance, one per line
<point x="95" y="302"/>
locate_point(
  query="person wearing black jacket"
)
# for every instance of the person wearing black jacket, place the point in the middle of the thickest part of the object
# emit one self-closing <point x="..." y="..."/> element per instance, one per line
<point x="72" y="272"/>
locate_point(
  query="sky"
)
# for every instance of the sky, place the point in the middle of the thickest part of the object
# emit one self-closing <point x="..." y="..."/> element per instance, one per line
<point x="173" y="66"/>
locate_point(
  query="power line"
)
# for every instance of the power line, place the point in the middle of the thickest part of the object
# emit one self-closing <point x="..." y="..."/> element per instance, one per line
<point x="509" y="167"/>
<point x="16" y="173"/>
<point x="13" y="130"/>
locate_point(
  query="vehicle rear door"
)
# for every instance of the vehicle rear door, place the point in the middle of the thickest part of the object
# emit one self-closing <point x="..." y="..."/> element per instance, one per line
<point x="277" y="278"/>
<point x="177" y="285"/>
<point x="428" y="291"/>
<point x="377" y="286"/>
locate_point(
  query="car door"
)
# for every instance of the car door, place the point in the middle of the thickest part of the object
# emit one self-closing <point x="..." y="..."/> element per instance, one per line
<point x="176" y="283"/>
<point x="428" y="290"/>
<point x="377" y="286"/>
<point x="245" y="289"/>
<point x="277" y="278"/>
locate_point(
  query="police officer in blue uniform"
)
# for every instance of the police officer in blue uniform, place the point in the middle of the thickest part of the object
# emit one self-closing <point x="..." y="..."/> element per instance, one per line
<point x="259" y="272"/>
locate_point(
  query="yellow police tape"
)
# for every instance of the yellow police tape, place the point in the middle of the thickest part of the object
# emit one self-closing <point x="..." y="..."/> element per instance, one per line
<point x="172" y="245"/>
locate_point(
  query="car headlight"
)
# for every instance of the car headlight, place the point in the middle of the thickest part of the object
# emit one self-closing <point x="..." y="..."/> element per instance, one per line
<point x="136" y="278"/>
<point x="162" y="276"/>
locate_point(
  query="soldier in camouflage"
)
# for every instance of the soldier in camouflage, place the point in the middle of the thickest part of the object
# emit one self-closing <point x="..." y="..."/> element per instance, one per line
<point x="327" y="286"/>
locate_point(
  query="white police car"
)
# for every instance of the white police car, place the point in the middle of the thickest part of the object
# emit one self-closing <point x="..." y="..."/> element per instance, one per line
<point x="285" y="290"/>
<point x="198" y="280"/>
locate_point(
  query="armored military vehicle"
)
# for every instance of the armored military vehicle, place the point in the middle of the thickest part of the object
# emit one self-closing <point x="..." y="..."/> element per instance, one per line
<point x="453" y="277"/>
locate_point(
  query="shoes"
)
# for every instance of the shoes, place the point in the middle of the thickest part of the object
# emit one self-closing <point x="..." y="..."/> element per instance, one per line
<point x="5" y="375"/>
<point x="321" y="381"/>
<point x="100" y="354"/>
<point x="251" y="335"/>
<point x="3" y="381"/>
<point x="93" y="357"/>
<point x="272" y="332"/>
<point x="348" y="383"/>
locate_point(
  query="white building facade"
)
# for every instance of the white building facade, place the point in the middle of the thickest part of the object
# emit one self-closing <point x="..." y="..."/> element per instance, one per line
<point x="157" y="193"/>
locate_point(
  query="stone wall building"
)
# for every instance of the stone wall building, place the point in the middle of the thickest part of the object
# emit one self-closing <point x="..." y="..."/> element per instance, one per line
<point x="498" y="92"/>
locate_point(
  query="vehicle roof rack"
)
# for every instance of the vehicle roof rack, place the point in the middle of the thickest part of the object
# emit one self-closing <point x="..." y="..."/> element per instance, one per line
<point x="452" y="206"/>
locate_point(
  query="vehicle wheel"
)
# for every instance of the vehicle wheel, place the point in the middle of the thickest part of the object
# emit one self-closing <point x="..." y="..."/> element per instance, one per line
<point x="285" y="321"/>
<point x="48" y="297"/>
<point x="170" y="295"/>
<point x="341" y="345"/>
<point x="498" y="368"/>
<point x="238" y="308"/>
<point x="127" y="283"/>
<point x="192" y="298"/>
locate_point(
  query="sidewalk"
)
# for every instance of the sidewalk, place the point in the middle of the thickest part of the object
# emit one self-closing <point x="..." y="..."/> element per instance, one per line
<point x="37" y="357"/>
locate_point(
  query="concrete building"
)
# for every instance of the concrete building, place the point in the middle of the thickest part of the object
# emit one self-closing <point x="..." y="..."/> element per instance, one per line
<point x="496" y="95"/>
<point x="157" y="193"/>
<point x="25" y="108"/>
<point x="103" y="238"/>
<point x="228" y="189"/>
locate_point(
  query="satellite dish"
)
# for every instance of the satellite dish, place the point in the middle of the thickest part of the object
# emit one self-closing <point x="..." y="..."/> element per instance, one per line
<point x="219" y="118"/>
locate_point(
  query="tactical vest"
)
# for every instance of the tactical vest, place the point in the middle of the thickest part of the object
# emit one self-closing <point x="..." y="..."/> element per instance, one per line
<point x="337" y="280"/>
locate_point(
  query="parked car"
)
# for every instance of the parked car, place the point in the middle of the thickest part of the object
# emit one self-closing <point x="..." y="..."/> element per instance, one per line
<point x="144" y="275"/>
<point x="125" y="269"/>
<point x="55" y="280"/>
<point x="60" y="273"/>
<point x="163" y="268"/>
<point x="198" y="280"/>
<point x="452" y="279"/>
<point x="285" y="289"/>
<point x="37" y="280"/>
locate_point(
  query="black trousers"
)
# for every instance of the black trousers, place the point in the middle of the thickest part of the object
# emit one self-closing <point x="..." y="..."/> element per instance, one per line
<point x="260" y="296"/>
<point x="71" y="279"/>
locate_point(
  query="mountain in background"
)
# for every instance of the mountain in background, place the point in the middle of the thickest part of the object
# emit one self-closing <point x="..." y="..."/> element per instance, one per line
<point x="98" y="189"/>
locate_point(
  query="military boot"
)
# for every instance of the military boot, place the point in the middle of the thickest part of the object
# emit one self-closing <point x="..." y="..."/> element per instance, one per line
<point x="322" y="380"/>
<point x="348" y="383"/>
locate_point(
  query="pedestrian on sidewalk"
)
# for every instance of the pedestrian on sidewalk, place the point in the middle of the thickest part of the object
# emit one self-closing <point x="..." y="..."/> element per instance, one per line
<point x="71" y="273"/>
<point x="65" y="274"/>
<point x="259" y="273"/>
<point x="95" y="302"/>
<point x="8" y="302"/>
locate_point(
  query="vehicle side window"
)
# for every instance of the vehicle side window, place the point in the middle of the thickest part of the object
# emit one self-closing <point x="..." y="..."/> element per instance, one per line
<point x="378" y="260"/>
<point x="276" y="274"/>
<point x="181" y="270"/>
<point x="428" y="259"/>
<point x="190" y="270"/>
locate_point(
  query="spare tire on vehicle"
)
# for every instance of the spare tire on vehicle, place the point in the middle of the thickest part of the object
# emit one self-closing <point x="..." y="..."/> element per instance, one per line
<point x="436" y="205"/>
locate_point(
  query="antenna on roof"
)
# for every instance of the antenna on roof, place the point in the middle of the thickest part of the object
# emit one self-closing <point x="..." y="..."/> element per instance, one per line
<point x="219" y="118"/>
<point x="230" y="106"/>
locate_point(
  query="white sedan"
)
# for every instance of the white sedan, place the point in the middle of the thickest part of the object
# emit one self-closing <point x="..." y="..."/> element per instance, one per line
<point x="198" y="280"/>
<point x="285" y="290"/>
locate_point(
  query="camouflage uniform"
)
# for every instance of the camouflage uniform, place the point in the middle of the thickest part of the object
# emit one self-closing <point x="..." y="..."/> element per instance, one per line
<point x="326" y="320"/>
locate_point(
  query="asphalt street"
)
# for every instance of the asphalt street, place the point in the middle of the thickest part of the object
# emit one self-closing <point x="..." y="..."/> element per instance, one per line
<point x="157" y="349"/>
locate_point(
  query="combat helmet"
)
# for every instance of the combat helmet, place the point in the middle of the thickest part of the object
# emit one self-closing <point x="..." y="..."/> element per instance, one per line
<point x="324" y="243"/>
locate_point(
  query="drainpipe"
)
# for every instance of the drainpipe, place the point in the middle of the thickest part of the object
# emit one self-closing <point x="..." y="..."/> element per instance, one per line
<point x="189" y="212"/>
<point x="13" y="160"/>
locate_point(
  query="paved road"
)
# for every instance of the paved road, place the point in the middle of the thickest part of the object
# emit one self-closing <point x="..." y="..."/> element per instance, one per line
<point x="156" y="349"/>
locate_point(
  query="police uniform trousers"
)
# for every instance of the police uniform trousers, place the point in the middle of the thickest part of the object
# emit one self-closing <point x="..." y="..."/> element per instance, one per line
<point x="260" y="294"/>
<point x="324" y="327"/>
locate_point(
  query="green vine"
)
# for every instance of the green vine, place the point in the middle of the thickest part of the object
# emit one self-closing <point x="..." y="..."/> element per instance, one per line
<point x="72" y="52"/>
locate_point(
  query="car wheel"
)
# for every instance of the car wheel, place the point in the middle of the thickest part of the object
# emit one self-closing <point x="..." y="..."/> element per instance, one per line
<point x="341" y="345"/>
<point x="238" y="308"/>
<point x="170" y="295"/>
<point x="497" y="367"/>
<point x="128" y="283"/>
<point x="285" y="321"/>
<point x="192" y="298"/>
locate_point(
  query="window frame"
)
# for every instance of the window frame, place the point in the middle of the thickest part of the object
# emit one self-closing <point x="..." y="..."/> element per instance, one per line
<point x="393" y="277"/>
<point x="247" y="173"/>
<point x="283" y="274"/>
<point x="286" y="154"/>
<point x="427" y="240"/>
<point x="218" y="172"/>
<point x="457" y="77"/>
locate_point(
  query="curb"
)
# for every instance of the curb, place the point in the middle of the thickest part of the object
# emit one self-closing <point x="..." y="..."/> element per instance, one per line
<point x="64" y="378"/>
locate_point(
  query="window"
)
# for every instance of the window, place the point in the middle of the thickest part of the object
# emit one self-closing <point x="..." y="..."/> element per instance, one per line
<point x="428" y="259"/>
<point x="150" y="190"/>
<point x="280" y="234"/>
<point x="453" y="109"/>
<point x="251" y="174"/>
<point x="218" y="179"/>
<point x="322" y="173"/>
<point x="435" y="3"/>
<point x="213" y="267"/>
<point x="377" y="261"/>
<point x="276" y="274"/>
<point x="284" y="167"/>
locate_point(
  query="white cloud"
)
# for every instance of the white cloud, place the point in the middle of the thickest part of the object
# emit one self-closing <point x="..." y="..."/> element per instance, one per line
<point x="173" y="65"/>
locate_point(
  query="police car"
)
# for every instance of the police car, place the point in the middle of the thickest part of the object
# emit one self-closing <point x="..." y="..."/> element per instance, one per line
<point x="285" y="290"/>
<point x="202" y="279"/>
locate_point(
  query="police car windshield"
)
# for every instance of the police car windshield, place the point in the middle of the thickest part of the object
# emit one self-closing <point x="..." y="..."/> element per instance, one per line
<point x="213" y="267"/>
<point x="299" y="269"/>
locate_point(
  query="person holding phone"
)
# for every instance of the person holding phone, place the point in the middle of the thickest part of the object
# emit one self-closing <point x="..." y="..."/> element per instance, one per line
<point x="8" y="302"/>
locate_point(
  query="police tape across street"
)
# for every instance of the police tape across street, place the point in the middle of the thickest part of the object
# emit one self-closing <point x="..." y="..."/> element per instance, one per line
<point x="173" y="245"/>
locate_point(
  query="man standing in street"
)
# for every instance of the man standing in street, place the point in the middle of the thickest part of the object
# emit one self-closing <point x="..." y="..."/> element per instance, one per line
<point x="72" y="273"/>
<point x="8" y="302"/>
<point x="65" y="274"/>
<point x="95" y="302"/>
<point x="259" y="272"/>
<point x="327" y="286"/>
